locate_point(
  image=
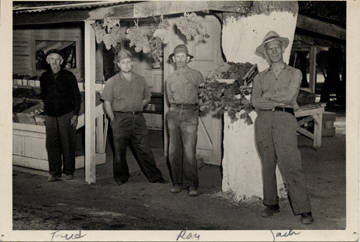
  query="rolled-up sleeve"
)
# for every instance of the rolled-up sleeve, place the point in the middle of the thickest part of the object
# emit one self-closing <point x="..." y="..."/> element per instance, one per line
<point x="107" y="94"/>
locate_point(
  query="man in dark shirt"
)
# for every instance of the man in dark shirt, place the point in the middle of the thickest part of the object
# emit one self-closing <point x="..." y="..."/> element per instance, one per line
<point x="125" y="95"/>
<point x="61" y="96"/>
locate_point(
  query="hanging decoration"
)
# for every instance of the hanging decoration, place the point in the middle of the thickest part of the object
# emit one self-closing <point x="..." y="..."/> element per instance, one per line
<point x="150" y="42"/>
<point x="190" y="26"/>
<point x="108" y="32"/>
<point x="219" y="97"/>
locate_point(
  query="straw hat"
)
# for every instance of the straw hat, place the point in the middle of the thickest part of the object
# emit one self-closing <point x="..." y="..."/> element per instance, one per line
<point x="122" y="54"/>
<point x="270" y="36"/>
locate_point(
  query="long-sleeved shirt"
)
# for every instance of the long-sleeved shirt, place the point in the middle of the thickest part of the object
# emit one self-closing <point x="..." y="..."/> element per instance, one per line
<point x="60" y="93"/>
<point x="182" y="86"/>
<point x="124" y="95"/>
<point x="270" y="91"/>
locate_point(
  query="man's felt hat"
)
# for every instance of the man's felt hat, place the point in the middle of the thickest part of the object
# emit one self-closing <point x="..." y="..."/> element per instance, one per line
<point x="122" y="54"/>
<point x="180" y="49"/>
<point x="271" y="36"/>
<point x="54" y="51"/>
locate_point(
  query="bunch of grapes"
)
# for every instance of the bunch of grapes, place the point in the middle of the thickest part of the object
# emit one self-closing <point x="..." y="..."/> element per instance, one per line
<point x="190" y="26"/>
<point x="138" y="39"/>
<point x="108" y="32"/>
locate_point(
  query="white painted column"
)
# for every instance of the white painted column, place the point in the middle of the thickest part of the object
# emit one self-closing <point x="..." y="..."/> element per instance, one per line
<point x="241" y="162"/>
<point x="90" y="76"/>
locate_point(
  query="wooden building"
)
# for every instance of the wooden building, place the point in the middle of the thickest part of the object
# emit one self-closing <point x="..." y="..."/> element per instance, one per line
<point x="72" y="23"/>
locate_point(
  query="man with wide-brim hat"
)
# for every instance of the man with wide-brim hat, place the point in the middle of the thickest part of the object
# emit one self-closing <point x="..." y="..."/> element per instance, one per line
<point x="125" y="95"/>
<point x="180" y="49"/>
<point x="61" y="96"/>
<point x="182" y="119"/>
<point x="274" y="97"/>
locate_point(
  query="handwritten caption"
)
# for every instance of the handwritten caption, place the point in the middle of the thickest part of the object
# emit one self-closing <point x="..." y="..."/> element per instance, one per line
<point x="184" y="235"/>
<point x="67" y="236"/>
<point x="283" y="234"/>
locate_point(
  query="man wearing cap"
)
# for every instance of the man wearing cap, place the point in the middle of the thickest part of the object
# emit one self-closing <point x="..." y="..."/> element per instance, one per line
<point x="274" y="97"/>
<point x="182" y="95"/>
<point x="61" y="96"/>
<point x="125" y="95"/>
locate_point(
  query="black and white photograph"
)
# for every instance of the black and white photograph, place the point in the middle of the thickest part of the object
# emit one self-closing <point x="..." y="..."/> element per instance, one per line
<point x="180" y="121"/>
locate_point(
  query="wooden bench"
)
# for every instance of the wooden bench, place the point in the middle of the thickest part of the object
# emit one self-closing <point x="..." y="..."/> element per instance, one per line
<point x="308" y="113"/>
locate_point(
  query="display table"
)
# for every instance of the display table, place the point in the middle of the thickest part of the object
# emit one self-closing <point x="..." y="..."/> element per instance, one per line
<point x="29" y="147"/>
<point x="308" y="113"/>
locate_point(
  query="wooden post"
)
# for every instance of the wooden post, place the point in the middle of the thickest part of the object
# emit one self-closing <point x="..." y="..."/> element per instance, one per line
<point x="90" y="76"/>
<point x="100" y="134"/>
<point x="312" y="83"/>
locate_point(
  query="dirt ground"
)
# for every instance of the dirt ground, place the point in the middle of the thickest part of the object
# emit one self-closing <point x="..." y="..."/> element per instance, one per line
<point x="139" y="205"/>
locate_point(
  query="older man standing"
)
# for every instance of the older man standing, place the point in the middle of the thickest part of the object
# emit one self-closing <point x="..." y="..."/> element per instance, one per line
<point x="61" y="96"/>
<point x="274" y="97"/>
<point x="182" y="94"/>
<point x="125" y="95"/>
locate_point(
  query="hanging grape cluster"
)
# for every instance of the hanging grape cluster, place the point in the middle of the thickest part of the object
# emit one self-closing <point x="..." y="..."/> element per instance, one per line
<point x="138" y="39"/>
<point x="190" y="26"/>
<point x="108" y="32"/>
<point x="219" y="97"/>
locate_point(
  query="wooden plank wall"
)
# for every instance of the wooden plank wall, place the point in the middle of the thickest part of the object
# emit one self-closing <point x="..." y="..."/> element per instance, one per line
<point x="24" y="48"/>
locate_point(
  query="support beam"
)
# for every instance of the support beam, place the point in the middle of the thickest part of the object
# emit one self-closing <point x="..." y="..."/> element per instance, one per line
<point x="321" y="27"/>
<point x="312" y="84"/>
<point x="90" y="114"/>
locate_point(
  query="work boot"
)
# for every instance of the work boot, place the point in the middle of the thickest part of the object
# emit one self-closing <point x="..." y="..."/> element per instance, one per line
<point x="69" y="177"/>
<point x="193" y="192"/>
<point x="270" y="210"/>
<point x="306" y="218"/>
<point x="175" y="189"/>
<point x="53" y="178"/>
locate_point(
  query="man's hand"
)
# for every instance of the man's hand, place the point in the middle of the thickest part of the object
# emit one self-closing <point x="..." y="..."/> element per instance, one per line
<point x="74" y="121"/>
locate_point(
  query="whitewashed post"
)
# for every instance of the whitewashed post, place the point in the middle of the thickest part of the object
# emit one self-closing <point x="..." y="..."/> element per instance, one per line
<point x="240" y="37"/>
<point x="90" y="75"/>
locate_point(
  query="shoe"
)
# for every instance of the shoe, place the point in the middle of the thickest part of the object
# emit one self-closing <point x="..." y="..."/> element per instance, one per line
<point x="306" y="218"/>
<point x="175" y="189"/>
<point x="270" y="210"/>
<point x="69" y="177"/>
<point x="53" y="178"/>
<point x="193" y="192"/>
<point x="119" y="182"/>
<point x="159" y="180"/>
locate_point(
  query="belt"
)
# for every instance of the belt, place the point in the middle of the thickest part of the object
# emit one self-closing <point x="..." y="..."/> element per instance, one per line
<point x="129" y="112"/>
<point x="184" y="105"/>
<point x="283" y="109"/>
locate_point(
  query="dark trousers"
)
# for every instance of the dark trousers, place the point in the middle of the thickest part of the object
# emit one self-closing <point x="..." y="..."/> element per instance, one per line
<point x="182" y="126"/>
<point x="60" y="144"/>
<point x="275" y="134"/>
<point x="129" y="130"/>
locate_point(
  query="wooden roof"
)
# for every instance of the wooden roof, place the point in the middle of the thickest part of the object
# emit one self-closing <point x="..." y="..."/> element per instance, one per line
<point x="135" y="10"/>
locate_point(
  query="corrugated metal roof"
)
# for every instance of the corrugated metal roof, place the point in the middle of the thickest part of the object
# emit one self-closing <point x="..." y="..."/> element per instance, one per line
<point x="53" y="6"/>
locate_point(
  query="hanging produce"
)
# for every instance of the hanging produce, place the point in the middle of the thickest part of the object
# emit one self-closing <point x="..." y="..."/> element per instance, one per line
<point x="219" y="97"/>
<point x="108" y="32"/>
<point x="190" y="26"/>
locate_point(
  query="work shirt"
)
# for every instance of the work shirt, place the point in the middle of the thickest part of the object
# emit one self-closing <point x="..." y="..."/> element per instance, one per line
<point x="270" y="91"/>
<point x="124" y="95"/>
<point x="60" y="93"/>
<point x="182" y="86"/>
